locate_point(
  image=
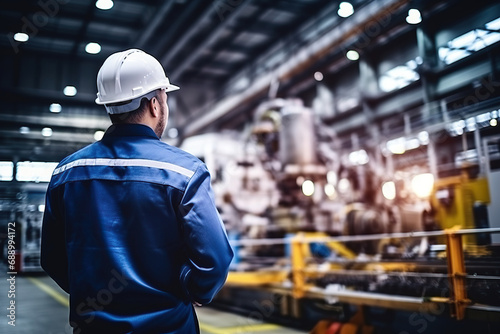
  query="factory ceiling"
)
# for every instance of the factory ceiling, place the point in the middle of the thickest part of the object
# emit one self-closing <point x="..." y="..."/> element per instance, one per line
<point x="200" y="43"/>
<point x="49" y="70"/>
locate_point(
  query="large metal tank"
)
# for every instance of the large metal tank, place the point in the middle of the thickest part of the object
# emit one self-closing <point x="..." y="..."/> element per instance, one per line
<point x="297" y="137"/>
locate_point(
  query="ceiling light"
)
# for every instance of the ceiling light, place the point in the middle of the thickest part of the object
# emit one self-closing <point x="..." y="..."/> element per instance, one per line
<point x="55" y="107"/>
<point x="352" y="55"/>
<point x="98" y="135"/>
<point x="493" y="122"/>
<point x="414" y="16"/>
<point x="24" y="130"/>
<point x="104" y="4"/>
<point x="318" y="76"/>
<point x="21" y="37"/>
<point x="69" y="91"/>
<point x="345" y="9"/>
<point x="46" y="132"/>
<point x="93" y="48"/>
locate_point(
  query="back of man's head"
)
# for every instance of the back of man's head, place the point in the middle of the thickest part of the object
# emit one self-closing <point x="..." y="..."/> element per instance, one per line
<point x="126" y="79"/>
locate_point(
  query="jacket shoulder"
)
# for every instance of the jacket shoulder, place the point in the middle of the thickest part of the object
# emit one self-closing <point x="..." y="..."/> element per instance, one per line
<point x="182" y="157"/>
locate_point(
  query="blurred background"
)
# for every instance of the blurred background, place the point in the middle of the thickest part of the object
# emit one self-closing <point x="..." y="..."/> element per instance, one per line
<point x="354" y="149"/>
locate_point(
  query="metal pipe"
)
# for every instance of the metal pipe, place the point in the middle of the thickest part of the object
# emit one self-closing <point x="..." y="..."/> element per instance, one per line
<point x="374" y="299"/>
<point x="282" y="241"/>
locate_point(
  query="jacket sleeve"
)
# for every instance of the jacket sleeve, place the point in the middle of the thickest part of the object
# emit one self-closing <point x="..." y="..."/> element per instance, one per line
<point x="208" y="251"/>
<point x="53" y="256"/>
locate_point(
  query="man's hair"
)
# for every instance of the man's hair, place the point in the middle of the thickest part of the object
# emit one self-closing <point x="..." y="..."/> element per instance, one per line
<point x="134" y="116"/>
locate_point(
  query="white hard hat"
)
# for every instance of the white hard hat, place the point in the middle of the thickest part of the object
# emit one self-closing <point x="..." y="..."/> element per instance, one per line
<point x="129" y="76"/>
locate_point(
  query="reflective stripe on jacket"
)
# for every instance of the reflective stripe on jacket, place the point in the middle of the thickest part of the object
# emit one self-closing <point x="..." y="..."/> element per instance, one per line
<point x="131" y="232"/>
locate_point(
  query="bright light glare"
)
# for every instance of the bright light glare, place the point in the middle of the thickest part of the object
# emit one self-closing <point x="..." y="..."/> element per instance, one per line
<point x="330" y="190"/>
<point x="389" y="190"/>
<point x="21" y="37"/>
<point x="46" y="132"/>
<point x="399" y="76"/>
<point x="414" y="16"/>
<point x="24" y="130"/>
<point x="69" y="91"/>
<point x="352" y="55"/>
<point x="423" y="137"/>
<point x="343" y="185"/>
<point x="345" y="9"/>
<point x="331" y="177"/>
<point x="397" y="146"/>
<point x="104" y="4"/>
<point x="472" y="41"/>
<point x="308" y="187"/>
<point x="359" y="157"/>
<point x="34" y="171"/>
<point x="493" y="122"/>
<point x="493" y="25"/>
<point x="41" y="208"/>
<point x="6" y="170"/>
<point x="422" y="184"/>
<point x="318" y="76"/>
<point x="55" y="108"/>
<point x="98" y="135"/>
<point x="93" y="48"/>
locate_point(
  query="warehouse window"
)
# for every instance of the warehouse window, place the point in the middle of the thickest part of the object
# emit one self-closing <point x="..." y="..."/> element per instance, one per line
<point x="6" y="170"/>
<point x="400" y="76"/>
<point x="470" y="42"/>
<point x="35" y="171"/>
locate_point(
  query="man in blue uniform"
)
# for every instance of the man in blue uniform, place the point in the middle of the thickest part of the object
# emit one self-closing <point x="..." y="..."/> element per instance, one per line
<point x="130" y="228"/>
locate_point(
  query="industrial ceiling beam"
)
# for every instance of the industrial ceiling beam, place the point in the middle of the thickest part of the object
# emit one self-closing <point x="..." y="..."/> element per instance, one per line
<point x="304" y="58"/>
<point x="212" y="10"/>
<point x="148" y="32"/>
<point x="212" y="38"/>
<point x="173" y="30"/>
<point x="83" y="29"/>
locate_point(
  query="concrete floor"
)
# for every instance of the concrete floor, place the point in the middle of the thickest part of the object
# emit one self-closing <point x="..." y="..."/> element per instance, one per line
<point x="42" y="307"/>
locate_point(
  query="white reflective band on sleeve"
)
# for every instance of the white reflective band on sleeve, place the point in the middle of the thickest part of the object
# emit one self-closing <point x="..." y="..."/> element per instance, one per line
<point x="124" y="163"/>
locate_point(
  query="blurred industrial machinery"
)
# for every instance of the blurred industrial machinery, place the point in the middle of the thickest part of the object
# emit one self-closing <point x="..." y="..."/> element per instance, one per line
<point x="20" y="244"/>
<point x="310" y="222"/>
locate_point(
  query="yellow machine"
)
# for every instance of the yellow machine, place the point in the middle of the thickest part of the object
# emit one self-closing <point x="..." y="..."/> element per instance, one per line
<point x="454" y="199"/>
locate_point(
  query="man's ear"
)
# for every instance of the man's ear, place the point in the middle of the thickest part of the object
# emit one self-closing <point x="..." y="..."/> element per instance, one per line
<point x="154" y="107"/>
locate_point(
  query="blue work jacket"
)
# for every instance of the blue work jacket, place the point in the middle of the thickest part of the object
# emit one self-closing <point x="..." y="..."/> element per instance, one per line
<point x="131" y="232"/>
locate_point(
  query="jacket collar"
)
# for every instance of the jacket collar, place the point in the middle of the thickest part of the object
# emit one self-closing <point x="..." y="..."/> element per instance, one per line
<point x="126" y="130"/>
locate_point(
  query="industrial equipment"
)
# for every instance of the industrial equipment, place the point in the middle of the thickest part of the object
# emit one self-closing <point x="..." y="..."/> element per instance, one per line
<point x="322" y="228"/>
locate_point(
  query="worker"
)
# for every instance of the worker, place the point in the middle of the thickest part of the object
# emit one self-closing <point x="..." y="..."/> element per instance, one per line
<point x="130" y="230"/>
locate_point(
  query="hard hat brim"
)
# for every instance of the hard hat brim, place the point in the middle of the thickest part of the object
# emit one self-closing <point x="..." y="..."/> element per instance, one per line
<point x="171" y="88"/>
